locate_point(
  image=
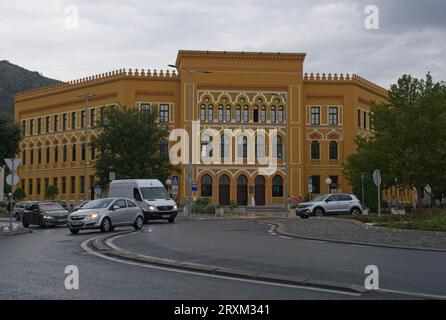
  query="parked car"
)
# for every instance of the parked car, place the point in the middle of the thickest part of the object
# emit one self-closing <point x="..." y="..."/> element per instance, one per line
<point x="63" y="204"/>
<point x="339" y="203"/>
<point x="106" y="214"/>
<point x="19" y="208"/>
<point x="45" y="213"/>
<point x="81" y="205"/>
<point x="149" y="194"/>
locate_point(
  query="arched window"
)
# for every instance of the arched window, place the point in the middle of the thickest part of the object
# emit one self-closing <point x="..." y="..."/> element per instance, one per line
<point x="211" y="113"/>
<point x="315" y="150"/>
<point x="273" y="114"/>
<point x="242" y="180"/>
<point x="164" y="147"/>
<point x="206" y="186"/>
<point x="220" y="113"/>
<point x="245" y="114"/>
<point x="56" y="153"/>
<point x="64" y="153"/>
<point x="47" y="154"/>
<point x="224" y="146"/>
<point x="224" y="180"/>
<point x="280" y="115"/>
<point x="73" y="152"/>
<point x="277" y="186"/>
<point x="24" y="156"/>
<point x="203" y="113"/>
<point x="333" y="150"/>
<point x="83" y="151"/>
<point x="39" y="155"/>
<point x="31" y="155"/>
<point x="242" y="146"/>
<point x="256" y="114"/>
<point x="228" y="113"/>
<point x="263" y="114"/>
<point x="238" y="114"/>
<point x="206" y="146"/>
<point x="260" y="146"/>
<point x="277" y="147"/>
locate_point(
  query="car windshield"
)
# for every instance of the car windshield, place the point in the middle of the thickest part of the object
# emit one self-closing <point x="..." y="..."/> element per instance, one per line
<point x="153" y="193"/>
<point x="98" y="204"/>
<point x="319" y="198"/>
<point x="51" y="207"/>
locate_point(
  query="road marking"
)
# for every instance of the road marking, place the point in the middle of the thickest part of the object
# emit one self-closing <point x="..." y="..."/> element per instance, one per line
<point x="86" y="248"/>
<point x="360" y="245"/>
<point x="316" y="241"/>
<point x="414" y="294"/>
<point x="285" y="237"/>
<point x="273" y="234"/>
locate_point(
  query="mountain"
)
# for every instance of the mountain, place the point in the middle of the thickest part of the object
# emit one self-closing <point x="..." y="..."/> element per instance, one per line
<point x="14" y="79"/>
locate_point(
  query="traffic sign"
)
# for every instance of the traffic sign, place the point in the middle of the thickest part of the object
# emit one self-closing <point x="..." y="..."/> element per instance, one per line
<point x="194" y="186"/>
<point x="175" y="180"/>
<point x="12" y="179"/>
<point x="174" y="190"/>
<point x="13" y="163"/>
<point x="377" y="177"/>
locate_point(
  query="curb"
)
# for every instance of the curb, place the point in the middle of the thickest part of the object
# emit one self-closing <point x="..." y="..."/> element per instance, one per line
<point x="369" y="244"/>
<point x="15" y="233"/>
<point x="100" y="244"/>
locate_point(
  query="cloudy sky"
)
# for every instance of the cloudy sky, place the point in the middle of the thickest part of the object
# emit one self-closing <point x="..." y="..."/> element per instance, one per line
<point x="41" y="35"/>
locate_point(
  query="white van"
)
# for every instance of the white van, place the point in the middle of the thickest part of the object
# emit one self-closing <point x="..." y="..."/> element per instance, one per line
<point x="150" y="195"/>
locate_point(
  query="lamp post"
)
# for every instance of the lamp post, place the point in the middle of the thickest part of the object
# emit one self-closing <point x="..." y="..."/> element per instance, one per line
<point x="328" y="182"/>
<point x="189" y="171"/>
<point x="85" y="97"/>
<point x="362" y="189"/>
<point x="285" y="153"/>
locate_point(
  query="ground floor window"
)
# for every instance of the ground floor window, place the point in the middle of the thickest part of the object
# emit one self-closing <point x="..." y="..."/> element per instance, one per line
<point x="277" y="186"/>
<point x="206" y="186"/>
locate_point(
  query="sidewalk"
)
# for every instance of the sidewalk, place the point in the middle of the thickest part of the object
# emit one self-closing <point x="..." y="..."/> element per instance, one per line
<point x="343" y="230"/>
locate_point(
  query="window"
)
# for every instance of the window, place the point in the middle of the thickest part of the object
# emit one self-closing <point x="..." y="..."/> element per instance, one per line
<point x="31" y="126"/>
<point x="72" y="184"/>
<point x="345" y="197"/>
<point x="315" y="116"/>
<point x="131" y="204"/>
<point x="47" y="184"/>
<point x="238" y="114"/>
<point x="120" y="203"/>
<point x="359" y="118"/>
<point x="260" y="147"/>
<point x="164" y="113"/>
<point x="263" y="114"/>
<point x="83" y="119"/>
<point x="206" y="186"/>
<point x="256" y="114"/>
<point x="245" y="114"/>
<point x="333" y="115"/>
<point x="74" y="120"/>
<point x="73" y="152"/>
<point x="316" y="182"/>
<point x="92" y="117"/>
<point x="136" y="194"/>
<point x="211" y="113"/>
<point x="220" y="113"/>
<point x="280" y="115"/>
<point x="164" y="147"/>
<point x="277" y="147"/>
<point x="206" y="146"/>
<point x="277" y="186"/>
<point x="31" y="155"/>
<point x="39" y="125"/>
<point x="56" y="122"/>
<point x="224" y="146"/>
<point x="272" y="114"/>
<point x="39" y="155"/>
<point x="242" y="147"/>
<point x="64" y="153"/>
<point x="30" y="184"/>
<point x="335" y="185"/>
<point x="92" y="153"/>
<point x="315" y="150"/>
<point x="24" y="156"/>
<point x="83" y="151"/>
<point x="48" y="124"/>
<point x="333" y="150"/>
<point x="47" y="154"/>
<point x="56" y="153"/>
<point x="365" y="120"/>
<point x="39" y="187"/>
<point x="228" y="114"/>
<point x="82" y="184"/>
<point x="55" y="182"/>
<point x="64" y="185"/>
<point x="142" y="107"/>
<point x="64" y="121"/>
<point x="203" y="113"/>
<point x="24" y="127"/>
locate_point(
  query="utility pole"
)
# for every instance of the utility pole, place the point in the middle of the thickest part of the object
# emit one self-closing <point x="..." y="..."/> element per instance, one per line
<point x="362" y="189"/>
<point x="85" y="97"/>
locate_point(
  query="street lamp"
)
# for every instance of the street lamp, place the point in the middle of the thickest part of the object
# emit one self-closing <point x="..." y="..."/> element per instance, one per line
<point x="328" y="182"/>
<point x="285" y="152"/>
<point x="189" y="165"/>
<point x="85" y="97"/>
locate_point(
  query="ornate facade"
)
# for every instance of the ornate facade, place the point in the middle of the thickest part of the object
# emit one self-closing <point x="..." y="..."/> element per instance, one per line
<point x="316" y="117"/>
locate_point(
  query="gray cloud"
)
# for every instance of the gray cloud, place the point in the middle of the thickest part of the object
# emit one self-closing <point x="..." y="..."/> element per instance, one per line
<point x="147" y="34"/>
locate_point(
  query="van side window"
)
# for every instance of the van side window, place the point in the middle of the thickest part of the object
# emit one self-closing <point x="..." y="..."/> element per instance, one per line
<point x="136" y="194"/>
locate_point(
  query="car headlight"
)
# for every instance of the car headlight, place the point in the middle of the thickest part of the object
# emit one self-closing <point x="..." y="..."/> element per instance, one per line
<point x="151" y="208"/>
<point x="175" y="207"/>
<point x="47" y="217"/>
<point x="93" y="216"/>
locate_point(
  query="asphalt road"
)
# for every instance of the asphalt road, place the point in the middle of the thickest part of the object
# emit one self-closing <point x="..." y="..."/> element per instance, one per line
<point x="32" y="266"/>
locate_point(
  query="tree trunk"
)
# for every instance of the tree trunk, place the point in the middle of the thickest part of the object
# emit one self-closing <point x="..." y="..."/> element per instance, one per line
<point x="420" y="196"/>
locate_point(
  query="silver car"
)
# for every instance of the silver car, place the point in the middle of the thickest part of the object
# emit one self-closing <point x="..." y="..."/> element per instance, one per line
<point x="106" y="214"/>
<point x="339" y="203"/>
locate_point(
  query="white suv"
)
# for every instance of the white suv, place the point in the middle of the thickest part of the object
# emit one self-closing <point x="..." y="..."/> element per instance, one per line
<point x="339" y="203"/>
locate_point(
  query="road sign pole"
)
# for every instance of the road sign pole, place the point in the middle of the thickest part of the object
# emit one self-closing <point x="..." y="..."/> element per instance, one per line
<point x="379" y="200"/>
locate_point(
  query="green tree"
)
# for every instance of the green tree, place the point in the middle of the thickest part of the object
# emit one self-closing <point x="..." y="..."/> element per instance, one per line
<point x="19" y="194"/>
<point x="408" y="143"/>
<point x="10" y="137"/>
<point x="129" y="144"/>
<point x="51" y="192"/>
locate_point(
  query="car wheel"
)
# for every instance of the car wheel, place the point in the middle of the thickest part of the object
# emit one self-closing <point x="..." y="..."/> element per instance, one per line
<point x="17" y="217"/>
<point x="356" y="211"/>
<point x="318" y="212"/>
<point x="74" y="231"/>
<point x="139" y="223"/>
<point x="171" y="220"/>
<point x="25" y="224"/>
<point x="106" y="225"/>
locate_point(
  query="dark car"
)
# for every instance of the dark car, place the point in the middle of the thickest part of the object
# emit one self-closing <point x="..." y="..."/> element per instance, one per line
<point x="63" y="204"/>
<point x="44" y="214"/>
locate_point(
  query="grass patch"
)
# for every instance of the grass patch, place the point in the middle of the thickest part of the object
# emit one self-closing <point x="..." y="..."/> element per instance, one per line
<point x="427" y="221"/>
<point x="4" y="213"/>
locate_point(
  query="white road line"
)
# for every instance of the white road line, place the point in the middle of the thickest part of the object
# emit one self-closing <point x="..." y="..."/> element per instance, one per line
<point x="316" y="241"/>
<point x="273" y="234"/>
<point x="285" y="237"/>
<point x="414" y="294"/>
<point x="360" y="245"/>
<point x="86" y="248"/>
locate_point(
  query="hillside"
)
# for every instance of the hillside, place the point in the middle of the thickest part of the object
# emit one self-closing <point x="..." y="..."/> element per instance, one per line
<point x="14" y="79"/>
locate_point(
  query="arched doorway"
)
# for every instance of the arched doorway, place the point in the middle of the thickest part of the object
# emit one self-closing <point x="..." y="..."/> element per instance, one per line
<point x="259" y="192"/>
<point x="224" y="191"/>
<point x="242" y="191"/>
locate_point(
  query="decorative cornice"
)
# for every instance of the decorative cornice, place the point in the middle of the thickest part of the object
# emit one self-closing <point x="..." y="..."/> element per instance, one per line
<point x="155" y="92"/>
<point x="240" y="86"/>
<point x="323" y="94"/>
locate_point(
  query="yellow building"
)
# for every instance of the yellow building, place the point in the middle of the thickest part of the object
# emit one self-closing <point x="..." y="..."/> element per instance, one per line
<point x="316" y="116"/>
